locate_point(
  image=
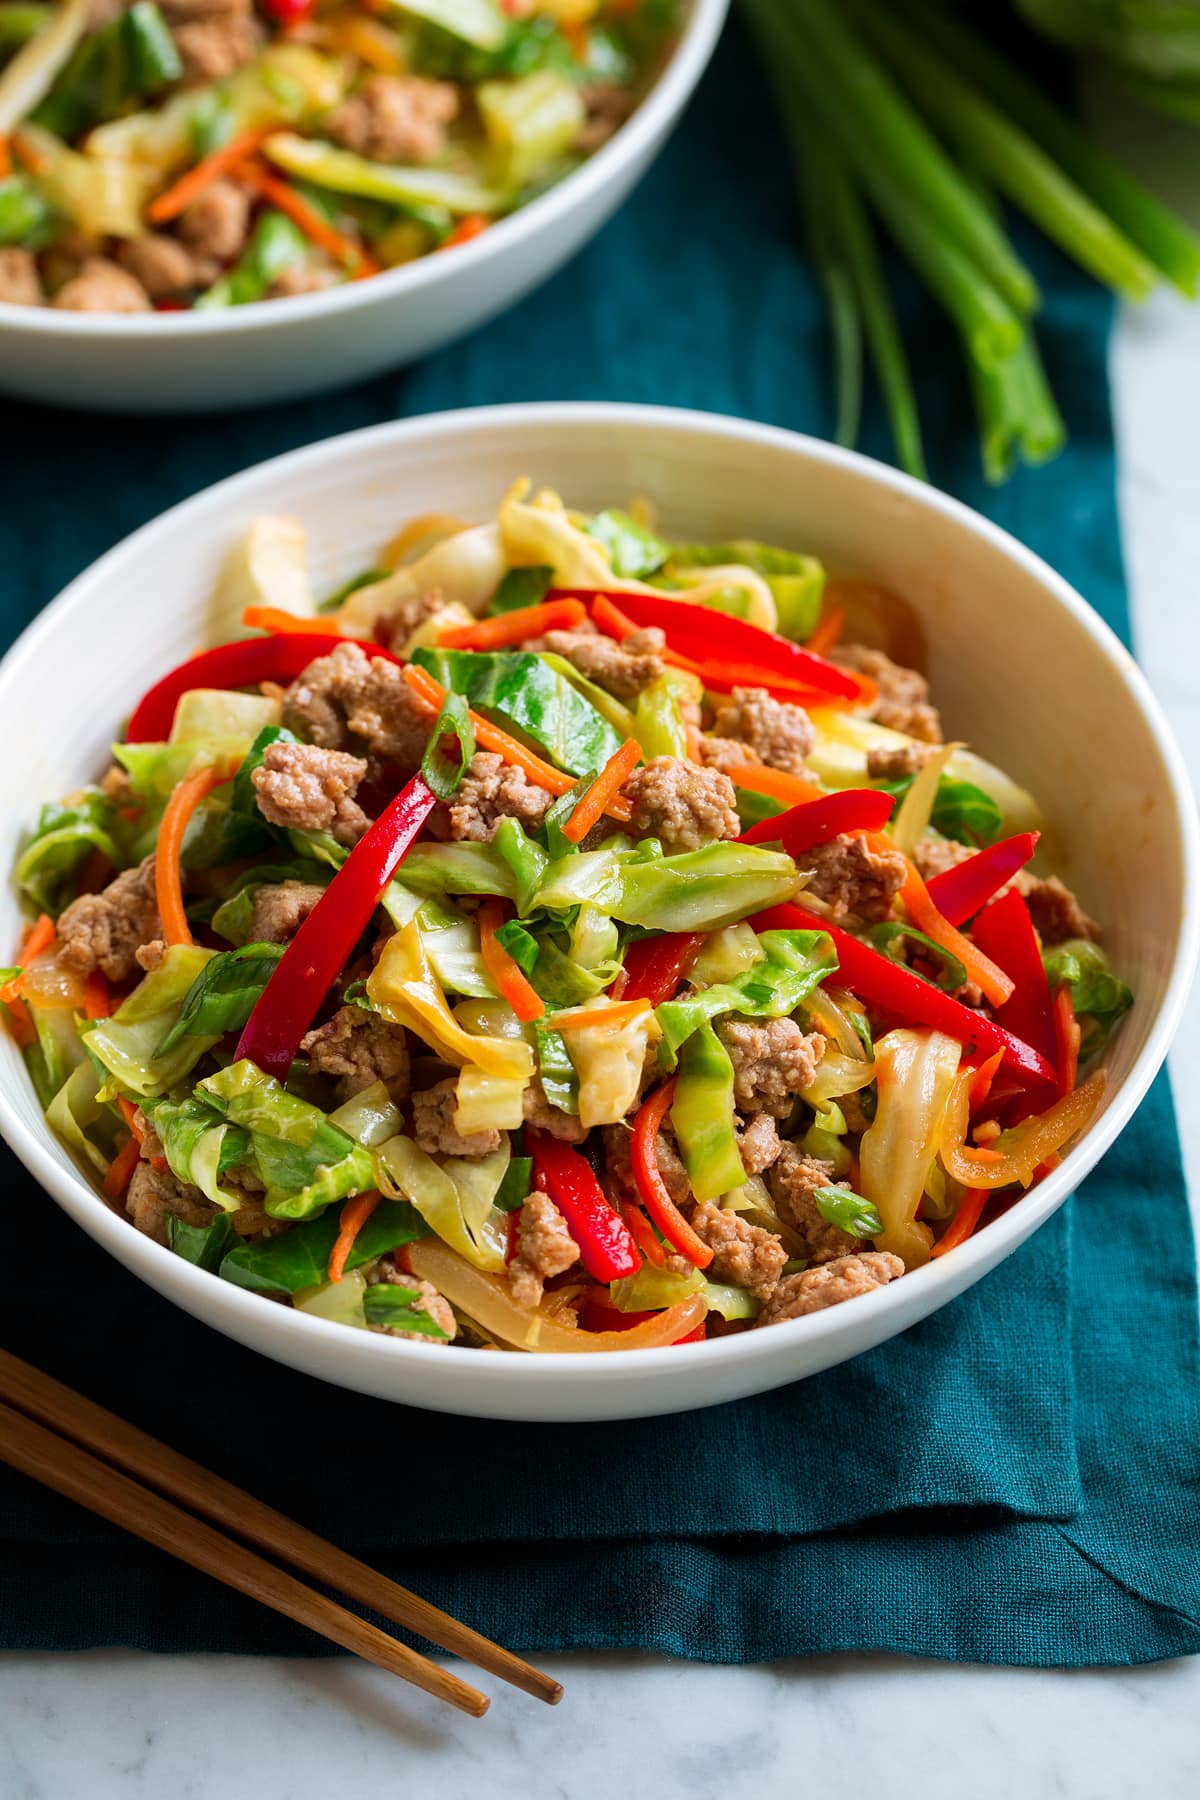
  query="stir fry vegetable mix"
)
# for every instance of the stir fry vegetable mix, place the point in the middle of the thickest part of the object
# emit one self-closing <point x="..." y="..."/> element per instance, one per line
<point x="173" y="154"/>
<point x="537" y="947"/>
<point x="905" y="117"/>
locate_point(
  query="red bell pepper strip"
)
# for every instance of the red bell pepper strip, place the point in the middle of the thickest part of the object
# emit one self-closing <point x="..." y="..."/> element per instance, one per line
<point x="244" y="663"/>
<point x="606" y="1249"/>
<point x="654" y="967"/>
<point x="317" y="954"/>
<point x="897" y="990"/>
<point x="1004" y="932"/>
<point x="704" y="635"/>
<point x="652" y="1189"/>
<point x="960" y="892"/>
<point x="815" y="822"/>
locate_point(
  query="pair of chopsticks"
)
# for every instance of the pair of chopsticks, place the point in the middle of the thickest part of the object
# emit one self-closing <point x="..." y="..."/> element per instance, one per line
<point x="49" y="1432"/>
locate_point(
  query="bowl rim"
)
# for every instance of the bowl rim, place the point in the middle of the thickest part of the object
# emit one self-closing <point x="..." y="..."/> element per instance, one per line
<point x="494" y="1373"/>
<point x="654" y="115"/>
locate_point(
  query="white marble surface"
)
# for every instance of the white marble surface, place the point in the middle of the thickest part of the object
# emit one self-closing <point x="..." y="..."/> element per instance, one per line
<point x="117" y="1726"/>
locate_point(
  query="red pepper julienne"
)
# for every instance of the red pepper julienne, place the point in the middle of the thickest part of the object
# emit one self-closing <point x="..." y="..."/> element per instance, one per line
<point x="894" y="988"/>
<point x="244" y="663"/>
<point x="317" y="954"/>
<point x="606" y="1249"/>
<point x="960" y="892"/>
<point x="814" y="822"/>
<point x="654" y="967"/>
<point x="1004" y="931"/>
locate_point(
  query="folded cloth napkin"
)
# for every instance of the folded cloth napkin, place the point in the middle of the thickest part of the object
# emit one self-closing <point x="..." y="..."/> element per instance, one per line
<point x="1015" y="1480"/>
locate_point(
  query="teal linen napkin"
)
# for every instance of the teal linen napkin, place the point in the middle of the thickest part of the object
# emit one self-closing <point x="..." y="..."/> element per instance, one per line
<point x="1015" y="1480"/>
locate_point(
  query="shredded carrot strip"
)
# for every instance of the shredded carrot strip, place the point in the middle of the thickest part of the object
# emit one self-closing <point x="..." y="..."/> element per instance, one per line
<point x="606" y="787"/>
<point x="981" y="1087"/>
<point x="128" y="1112"/>
<point x="97" y="1001"/>
<point x="20" y="1022"/>
<point x="514" y="627"/>
<point x="642" y="1233"/>
<point x="492" y="738"/>
<point x="39" y="937"/>
<point x="168" y="872"/>
<point x="619" y="1012"/>
<point x="922" y="910"/>
<point x="507" y="974"/>
<point x="355" y="1214"/>
<point x="828" y="631"/>
<point x="175" y="199"/>
<point x="280" y="623"/>
<point x="970" y="1211"/>
<point x="776" y="784"/>
<point x="467" y="228"/>
<point x="327" y="237"/>
<point x="30" y="159"/>
<point x="5" y="160"/>
<point x="119" y="1173"/>
<point x="1067" y="1037"/>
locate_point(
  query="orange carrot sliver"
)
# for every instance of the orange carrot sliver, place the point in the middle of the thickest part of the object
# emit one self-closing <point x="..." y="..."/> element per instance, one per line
<point x="604" y="789"/>
<point x="20" y="1022"/>
<point x="5" y="160"/>
<point x="355" y="1214"/>
<point x="97" y="1001"/>
<point x="168" y="872"/>
<point x="280" y="623"/>
<point x="119" y="1173"/>
<point x="38" y="937"/>
<point x="642" y="1233"/>
<point x="175" y="199"/>
<point x="970" y="1211"/>
<point x="506" y="973"/>
<point x="325" y="236"/>
<point x="922" y="910"/>
<point x="828" y="631"/>
<point x="618" y="1013"/>
<point x="1067" y="1037"/>
<point x="514" y="627"/>
<point x="981" y="1087"/>
<point x="129" y="1113"/>
<point x="471" y="226"/>
<point x="30" y="159"/>
<point x="776" y="784"/>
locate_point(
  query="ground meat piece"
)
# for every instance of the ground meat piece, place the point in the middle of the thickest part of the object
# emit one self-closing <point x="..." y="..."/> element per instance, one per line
<point x="814" y="1289"/>
<point x="683" y="806"/>
<point x="622" y="670"/>
<point x="1054" y="909"/>
<point x="395" y="118"/>
<point x="345" y="702"/>
<point x="793" y="1181"/>
<point x="773" y="1061"/>
<point x="102" y="286"/>
<point x="852" y="878"/>
<point x="359" y="1048"/>
<point x="116" y="786"/>
<point x="492" y="790"/>
<point x="758" y="1142"/>
<point x="434" y="1128"/>
<point x="891" y="762"/>
<point x="545" y="1247"/>
<point x="303" y="278"/>
<point x="303" y="787"/>
<point x="155" y="1195"/>
<point x="903" y="700"/>
<point x="934" y="855"/>
<point x="20" y="283"/>
<point x="742" y="1253"/>
<point x="151" y="956"/>
<point x="725" y="753"/>
<point x="609" y="104"/>
<point x="280" y="909"/>
<point x="543" y="1117"/>
<point x="670" y="1164"/>
<point x="162" y="264"/>
<point x="105" y="930"/>
<point x="429" y="1301"/>
<point x="214" y="38"/>
<point x="781" y="734"/>
<point x="217" y="223"/>
<point x="407" y="616"/>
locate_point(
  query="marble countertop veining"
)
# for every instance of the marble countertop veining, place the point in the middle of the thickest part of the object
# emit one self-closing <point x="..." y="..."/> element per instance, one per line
<point x="114" y="1725"/>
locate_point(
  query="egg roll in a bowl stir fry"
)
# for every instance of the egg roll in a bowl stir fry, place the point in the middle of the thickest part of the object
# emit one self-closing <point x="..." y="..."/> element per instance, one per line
<point x="171" y="154"/>
<point x="559" y="938"/>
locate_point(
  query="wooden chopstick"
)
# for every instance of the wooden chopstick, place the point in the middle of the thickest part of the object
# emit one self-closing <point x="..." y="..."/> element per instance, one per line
<point x="212" y="1497"/>
<point x="67" y="1469"/>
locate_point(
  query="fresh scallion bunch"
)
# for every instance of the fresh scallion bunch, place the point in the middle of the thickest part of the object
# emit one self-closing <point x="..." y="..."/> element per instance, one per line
<point x="908" y="118"/>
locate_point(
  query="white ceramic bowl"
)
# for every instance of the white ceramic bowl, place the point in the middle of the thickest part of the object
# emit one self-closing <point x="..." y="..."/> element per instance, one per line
<point x="283" y="350"/>
<point x="1087" y="736"/>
